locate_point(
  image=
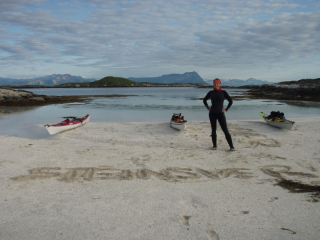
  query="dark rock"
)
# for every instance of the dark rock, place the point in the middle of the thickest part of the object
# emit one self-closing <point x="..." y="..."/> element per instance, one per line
<point x="302" y="90"/>
<point x="11" y="97"/>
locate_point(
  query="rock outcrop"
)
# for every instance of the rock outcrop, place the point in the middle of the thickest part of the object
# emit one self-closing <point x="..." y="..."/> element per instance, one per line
<point x="302" y="90"/>
<point x="11" y="97"/>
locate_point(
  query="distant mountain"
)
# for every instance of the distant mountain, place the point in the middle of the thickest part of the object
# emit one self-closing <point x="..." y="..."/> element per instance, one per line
<point x="104" y="82"/>
<point x="111" y="81"/>
<point x="51" y="80"/>
<point x="238" y="82"/>
<point x="10" y="81"/>
<point x="188" y="77"/>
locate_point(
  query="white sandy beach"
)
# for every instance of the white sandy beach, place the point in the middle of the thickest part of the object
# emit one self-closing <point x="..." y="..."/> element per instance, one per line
<point x="149" y="181"/>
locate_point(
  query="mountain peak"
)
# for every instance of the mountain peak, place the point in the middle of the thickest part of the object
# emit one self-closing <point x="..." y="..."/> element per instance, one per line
<point x="238" y="82"/>
<point x="50" y="80"/>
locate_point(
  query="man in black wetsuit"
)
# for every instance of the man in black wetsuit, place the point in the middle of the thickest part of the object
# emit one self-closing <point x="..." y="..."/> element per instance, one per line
<point x="216" y="112"/>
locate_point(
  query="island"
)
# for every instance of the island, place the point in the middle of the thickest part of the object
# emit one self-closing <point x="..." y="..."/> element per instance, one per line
<point x="301" y="90"/>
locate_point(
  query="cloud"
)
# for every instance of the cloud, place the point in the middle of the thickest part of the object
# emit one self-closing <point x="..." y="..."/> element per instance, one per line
<point x="16" y="5"/>
<point x="128" y="35"/>
<point x="288" y="36"/>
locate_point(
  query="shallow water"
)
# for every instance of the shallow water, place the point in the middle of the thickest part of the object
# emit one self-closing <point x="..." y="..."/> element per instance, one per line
<point x="154" y="104"/>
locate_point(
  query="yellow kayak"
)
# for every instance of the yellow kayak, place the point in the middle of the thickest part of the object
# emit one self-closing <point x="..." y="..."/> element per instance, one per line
<point x="277" y="122"/>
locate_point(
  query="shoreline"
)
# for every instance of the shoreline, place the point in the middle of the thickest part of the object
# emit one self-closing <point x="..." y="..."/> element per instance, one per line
<point x="38" y="131"/>
<point x="149" y="181"/>
<point x="23" y="98"/>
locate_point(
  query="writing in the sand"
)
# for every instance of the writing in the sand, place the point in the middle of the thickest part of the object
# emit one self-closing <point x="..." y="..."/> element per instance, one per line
<point x="173" y="174"/>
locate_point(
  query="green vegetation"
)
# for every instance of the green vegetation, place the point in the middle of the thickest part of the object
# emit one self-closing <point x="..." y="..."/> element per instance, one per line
<point x="104" y="82"/>
<point x="123" y="82"/>
<point x="113" y="81"/>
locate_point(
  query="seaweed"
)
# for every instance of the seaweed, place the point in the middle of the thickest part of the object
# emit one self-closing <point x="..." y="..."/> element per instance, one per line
<point x="297" y="187"/>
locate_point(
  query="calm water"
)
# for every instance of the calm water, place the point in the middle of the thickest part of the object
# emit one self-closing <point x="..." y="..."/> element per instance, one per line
<point x="154" y="104"/>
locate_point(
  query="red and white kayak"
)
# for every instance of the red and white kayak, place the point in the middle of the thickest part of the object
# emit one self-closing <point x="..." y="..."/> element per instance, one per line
<point x="69" y="123"/>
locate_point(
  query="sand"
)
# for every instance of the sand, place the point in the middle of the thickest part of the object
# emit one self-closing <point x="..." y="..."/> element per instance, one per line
<point x="149" y="181"/>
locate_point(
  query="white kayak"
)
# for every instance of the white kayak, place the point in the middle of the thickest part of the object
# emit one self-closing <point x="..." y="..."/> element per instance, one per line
<point x="179" y="126"/>
<point x="177" y="122"/>
<point x="69" y="123"/>
<point x="277" y="122"/>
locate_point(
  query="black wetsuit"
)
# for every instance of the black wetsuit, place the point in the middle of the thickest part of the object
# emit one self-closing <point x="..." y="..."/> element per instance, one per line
<point x="217" y="98"/>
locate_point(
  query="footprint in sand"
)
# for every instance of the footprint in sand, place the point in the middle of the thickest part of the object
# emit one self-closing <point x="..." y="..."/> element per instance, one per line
<point x="184" y="220"/>
<point x="272" y="199"/>
<point x="140" y="161"/>
<point x="212" y="235"/>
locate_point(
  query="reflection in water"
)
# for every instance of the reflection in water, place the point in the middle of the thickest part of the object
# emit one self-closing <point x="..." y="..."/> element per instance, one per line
<point x="20" y="121"/>
<point x="302" y="103"/>
<point x="14" y="110"/>
<point x="139" y="105"/>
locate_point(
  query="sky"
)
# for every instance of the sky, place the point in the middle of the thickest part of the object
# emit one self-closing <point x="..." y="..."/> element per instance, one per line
<point x="271" y="40"/>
